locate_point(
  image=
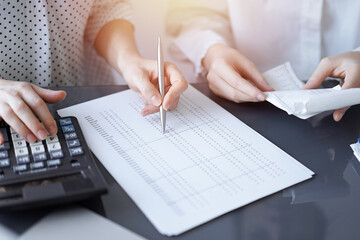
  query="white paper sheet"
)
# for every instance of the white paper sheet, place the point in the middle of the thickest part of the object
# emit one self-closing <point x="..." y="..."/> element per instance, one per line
<point x="305" y="103"/>
<point x="207" y="163"/>
<point x="77" y="223"/>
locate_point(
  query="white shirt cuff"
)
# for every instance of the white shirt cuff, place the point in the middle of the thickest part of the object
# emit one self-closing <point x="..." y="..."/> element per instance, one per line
<point x="195" y="44"/>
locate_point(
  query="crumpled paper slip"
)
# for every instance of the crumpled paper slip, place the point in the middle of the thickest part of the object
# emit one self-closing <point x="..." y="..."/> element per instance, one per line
<point x="304" y="104"/>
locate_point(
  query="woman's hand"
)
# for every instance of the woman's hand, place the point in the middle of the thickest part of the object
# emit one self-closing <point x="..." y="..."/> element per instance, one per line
<point x="18" y="103"/>
<point x="232" y="76"/>
<point x="141" y="75"/>
<point x="116" y="43"/>
<point x="345" y="66"/>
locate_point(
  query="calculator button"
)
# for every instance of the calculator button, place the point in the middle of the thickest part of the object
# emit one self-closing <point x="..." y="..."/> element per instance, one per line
<point x="19" y="144"/>
<point x="65" y="121"/>
<point x="20" y="168"/>
<point x="54" y="146"/>
<point x="38" y="142"/>
<point x="52" y="139"/>
<point x="73" y="143"/>
<point x="76" y="151"/>
<point x="12" y="130"/>
<point x="54" y="162"/>
<point x="5" y="146"/>
<point x="70" y="136"/>
<point x="21" y="152"/>
<point x="37" y="165"/>
<point x="23" y="159"/>
<point x="37" y="149"/>
<point x="4" y="154"/>
<point x="4" y="133"/>
<point x="4" y="163"/>
<point x="16" y="137"/>
<point x="68" y="129"/>
<point x="40" y="157"/>
<point x="57" y="154"/>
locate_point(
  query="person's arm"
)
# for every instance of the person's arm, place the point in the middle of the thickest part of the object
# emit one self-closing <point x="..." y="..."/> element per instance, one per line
<point x="197" y="25"/>
<point x="345" y="66"/>
<point x="202" y="32"/>
<point x="114" y="41"/>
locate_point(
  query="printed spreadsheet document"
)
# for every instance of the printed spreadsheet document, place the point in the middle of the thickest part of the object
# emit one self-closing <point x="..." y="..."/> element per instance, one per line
<point x="206" y="164"/>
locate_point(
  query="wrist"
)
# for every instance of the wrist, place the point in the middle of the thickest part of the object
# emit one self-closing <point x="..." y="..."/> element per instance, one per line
<point x="127" y="59"/>
<point x="212" y="54"/>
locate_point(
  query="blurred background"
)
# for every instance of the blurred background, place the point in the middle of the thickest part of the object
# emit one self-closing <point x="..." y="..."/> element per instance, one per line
<point x="149" y="20"/>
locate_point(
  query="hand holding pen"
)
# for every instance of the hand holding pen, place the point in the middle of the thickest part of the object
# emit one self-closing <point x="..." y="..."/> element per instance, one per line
<point x="142" y="76"/>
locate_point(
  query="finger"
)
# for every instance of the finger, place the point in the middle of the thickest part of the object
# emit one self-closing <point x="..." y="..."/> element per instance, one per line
<point x="236" y="81"/>
<point x="339" y="113"/>
<point x="144" y="99"/>
<point x="351" y="78"/>
<point x="10" y="117"/>
<point x="174" y="104"/>
<point x="178" y="84"/>
<point x="221" y="88"/>
<point x="253" y="74"/>
<point x="149" y="109"/>
<point x="27" y="117"/>
<point x="323" y="70"/>
<point x="36" y="103"/>
<point x="49" y="96"/>
<point x="143" y="85"/>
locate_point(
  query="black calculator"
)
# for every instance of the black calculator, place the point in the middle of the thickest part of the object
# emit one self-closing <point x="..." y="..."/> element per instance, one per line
<point x="56" y="170"/>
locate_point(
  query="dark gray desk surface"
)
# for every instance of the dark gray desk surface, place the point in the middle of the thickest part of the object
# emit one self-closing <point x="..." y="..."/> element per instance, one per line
<point x="325" y="207"/>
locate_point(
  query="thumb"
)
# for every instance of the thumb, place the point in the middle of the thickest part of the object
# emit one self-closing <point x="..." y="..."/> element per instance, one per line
<point x="49" y="96"/>
<point x="324" y="69"/>
<point x="149" y="92"/>
<point x="351" y="79"/>
<point x="339" y="113"/>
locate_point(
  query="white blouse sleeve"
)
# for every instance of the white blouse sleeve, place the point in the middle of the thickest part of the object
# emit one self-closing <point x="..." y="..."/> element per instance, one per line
<point x="197" y="25"/>
<point x="104" y="11"/>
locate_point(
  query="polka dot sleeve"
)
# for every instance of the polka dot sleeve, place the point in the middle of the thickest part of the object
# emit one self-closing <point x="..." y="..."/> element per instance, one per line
<point x="104" y="11"/>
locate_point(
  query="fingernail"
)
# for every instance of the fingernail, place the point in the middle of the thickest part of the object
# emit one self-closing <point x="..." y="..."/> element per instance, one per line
<point x="144" y="113"/>
<point x="41" y="134"/>
<point x="31" y="138"/>
<point x="338" y="116"/>
<point x="52" y="130"/>
<point x="156" y="100"/>
<point x="260" y="97"/>
<point x="166" y="107"/>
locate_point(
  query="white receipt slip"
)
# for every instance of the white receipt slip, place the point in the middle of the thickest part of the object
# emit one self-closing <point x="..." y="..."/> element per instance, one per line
<point x="356" y="148"/>
<point x="206" y="164"/>
<point x="289" y="97"/>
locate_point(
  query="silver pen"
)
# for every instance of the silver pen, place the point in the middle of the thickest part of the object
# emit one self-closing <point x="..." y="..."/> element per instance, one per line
<point x="160" y="63"/>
